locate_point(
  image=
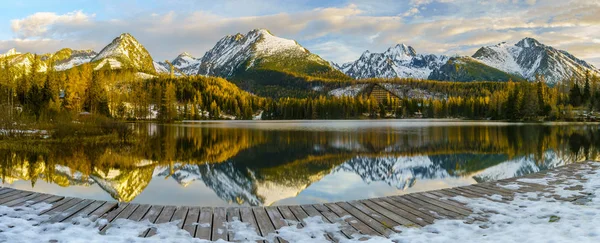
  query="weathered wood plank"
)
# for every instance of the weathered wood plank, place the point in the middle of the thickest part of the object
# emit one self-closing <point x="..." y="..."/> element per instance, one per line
<point x="119" y="214"/>
<point x="23" y="199"/>
<point x="61" y="216"/>
<point x="165" y="216"/>
<point x="204" y="229"/>
<point x="389" y="214"/>
<point x="247" y="216"/>
<point x="263" y="221"/>
<point x="86" y="211"/>
<point x="450" y="205"/>
<point x="191" y="221"/>
<point x="139" y="212"/>
<point x="62" y="207"/>
<point x="414" y="219"/>
<point x="104" y="209"/>
<point x="367" y="219"/>
<point x="347" y="230"/>
<point x="427" y="204"/>
<point x="383" y="220"/>
<point x="233" y="214"/>
<point x="313" y="212"/>
<point x="219" y="231"/>
<point x="14" y="196"/>
<point x="418" y="214"/>
<point x="351" y="219"/>
<point x="151" y="216"/>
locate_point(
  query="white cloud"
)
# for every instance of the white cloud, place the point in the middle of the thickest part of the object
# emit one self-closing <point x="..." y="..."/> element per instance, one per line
<point x="40" y="24"/>
<point x="337" y="33"/>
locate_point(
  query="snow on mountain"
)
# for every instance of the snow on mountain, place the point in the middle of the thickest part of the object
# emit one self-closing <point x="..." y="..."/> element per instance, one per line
<point x="161" y="67"/>
<point x="125" y="52"/>
<point x="185" y="62"/>
<point x="241" y="52"/>
<point x="10" y="52"/>
<point x="529" y="58"/>
<point x="350" y="91"/>
<point x="75" y="58"/>
<point x="397" y="61"/>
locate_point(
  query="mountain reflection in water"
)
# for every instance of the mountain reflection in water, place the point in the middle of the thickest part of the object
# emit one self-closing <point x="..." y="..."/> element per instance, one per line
<point x="249" y="163"/>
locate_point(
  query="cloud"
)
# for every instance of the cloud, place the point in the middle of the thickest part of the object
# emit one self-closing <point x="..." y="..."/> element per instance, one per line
<point x="40" y="24"/>
<point x="339" y="33"/>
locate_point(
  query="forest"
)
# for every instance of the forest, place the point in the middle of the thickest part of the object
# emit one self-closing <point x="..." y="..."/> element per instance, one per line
<point x="129" y="95"/>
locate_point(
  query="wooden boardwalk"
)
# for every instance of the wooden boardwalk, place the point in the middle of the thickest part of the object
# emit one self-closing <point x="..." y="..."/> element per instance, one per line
<point x="375" y="216"/>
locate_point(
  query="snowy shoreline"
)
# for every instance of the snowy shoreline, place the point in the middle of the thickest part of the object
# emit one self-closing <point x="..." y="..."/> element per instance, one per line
<point x="528" y="217"/>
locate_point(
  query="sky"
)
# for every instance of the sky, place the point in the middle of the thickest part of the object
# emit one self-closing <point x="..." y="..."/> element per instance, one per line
<point x="337" y="30"/>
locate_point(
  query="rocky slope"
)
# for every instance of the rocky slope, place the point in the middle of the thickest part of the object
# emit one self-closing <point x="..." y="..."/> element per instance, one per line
<point x="529" y="58"/>
<point x="124" y="52"/>
<point x="397" y="61"/>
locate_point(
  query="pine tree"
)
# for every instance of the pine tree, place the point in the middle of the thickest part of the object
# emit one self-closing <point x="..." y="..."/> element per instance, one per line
<point x="587" y="92"/>
<point x="575" y="95"/>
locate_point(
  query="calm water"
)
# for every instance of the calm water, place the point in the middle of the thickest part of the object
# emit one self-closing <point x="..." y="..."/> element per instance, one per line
<point x="295" y="162"/>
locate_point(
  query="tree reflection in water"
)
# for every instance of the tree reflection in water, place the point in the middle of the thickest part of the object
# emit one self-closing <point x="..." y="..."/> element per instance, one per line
<point x="263" y="165"/>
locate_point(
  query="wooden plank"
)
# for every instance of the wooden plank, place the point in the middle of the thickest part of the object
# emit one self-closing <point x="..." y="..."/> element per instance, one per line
<point x="434" y="205"/>
<point x="460" y="211"/>
<point x="164" y="217"/>
<point x="351" y="219"/>
<point x="414" y="219"/>
<point x="454" y="192"/>
<point x="451" y="205"/>
<point x="385" y="221"/>
<point x="288" y="215"/>
<point x="345" y="228"/>
<point x="418" y="214"/>
<point x="104" y="209"/>
<point x="263" y="221"/>
<point x="313" y="212"/>
<point x="63" y="207"/>
<point x="191" y="220"/>
<point x="233" y="214"/>
<point x="122" y="214"/>
<point x="494" y="187"/>
<point x="61" y="216"/>
<point x="219" y="231"/>
<point x="247" y="216"/>
<point x="139" y="212"/>
<point x="14" y="196"/>
<point x="389" y="214"/>
<point x="180" y="215"/>
<point x="86" y="211"/>
<point x="276" y="217"/>
<point x="59" y="201"/>
<point x="204" y="229"/>
<point x="23" y="199"/>
<point x="365" y="218"/>
<point x="151" y="216"/>
<point x="5" y="190"/>
<point x="425" y="207"/>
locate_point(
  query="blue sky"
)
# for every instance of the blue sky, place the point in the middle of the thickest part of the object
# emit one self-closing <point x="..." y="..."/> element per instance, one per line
<point x="337" y="30"/>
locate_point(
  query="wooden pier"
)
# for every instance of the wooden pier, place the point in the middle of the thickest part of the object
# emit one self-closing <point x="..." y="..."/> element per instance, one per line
<point x="375" y="216"/>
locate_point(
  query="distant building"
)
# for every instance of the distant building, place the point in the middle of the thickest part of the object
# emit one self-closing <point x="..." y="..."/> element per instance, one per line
<point x="380" y="93"/>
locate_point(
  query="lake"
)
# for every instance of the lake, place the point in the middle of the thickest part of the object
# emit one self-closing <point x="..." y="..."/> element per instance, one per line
<point x="244" y="163"/>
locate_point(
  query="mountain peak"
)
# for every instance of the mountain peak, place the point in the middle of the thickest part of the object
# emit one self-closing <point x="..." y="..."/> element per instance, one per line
<point x="125" y="52"/>
<point x="402" y="50"/>
<point x="185" y="54"/>
<point x="10" y="52"/>
<point x="528" y="42"/>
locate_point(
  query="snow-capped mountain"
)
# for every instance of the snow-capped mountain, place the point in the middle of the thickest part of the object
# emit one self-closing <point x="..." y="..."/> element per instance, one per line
<point x="67" y="58"/>
<point x="259" y="49"/>
<point x="185" y="62"/>
<point x="10" y="52"/>
<point x="466" y="69"/>
<point x="397" y="61"/>
<point x="529" y="58"/>
<point x="124" y="52"/>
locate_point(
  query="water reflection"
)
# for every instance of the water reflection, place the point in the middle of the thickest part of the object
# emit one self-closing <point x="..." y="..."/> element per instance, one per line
<point x="294" y="162"/>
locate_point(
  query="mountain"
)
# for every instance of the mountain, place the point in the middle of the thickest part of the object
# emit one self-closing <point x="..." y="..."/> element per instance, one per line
<point x="466" y="69"/>
<point x="260" y="55"/>
<point x="67" y="58"/>
<point x="397" y="61"/>
<point x="185" y="62"/>
<point x="124" y="52"/>
<point x="529" y="58"/>
<point x="62" y="60"/>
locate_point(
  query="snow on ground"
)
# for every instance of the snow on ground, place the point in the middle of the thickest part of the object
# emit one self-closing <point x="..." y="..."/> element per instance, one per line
<point x="350" y="91"/>
<point x="529" y="217"/>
